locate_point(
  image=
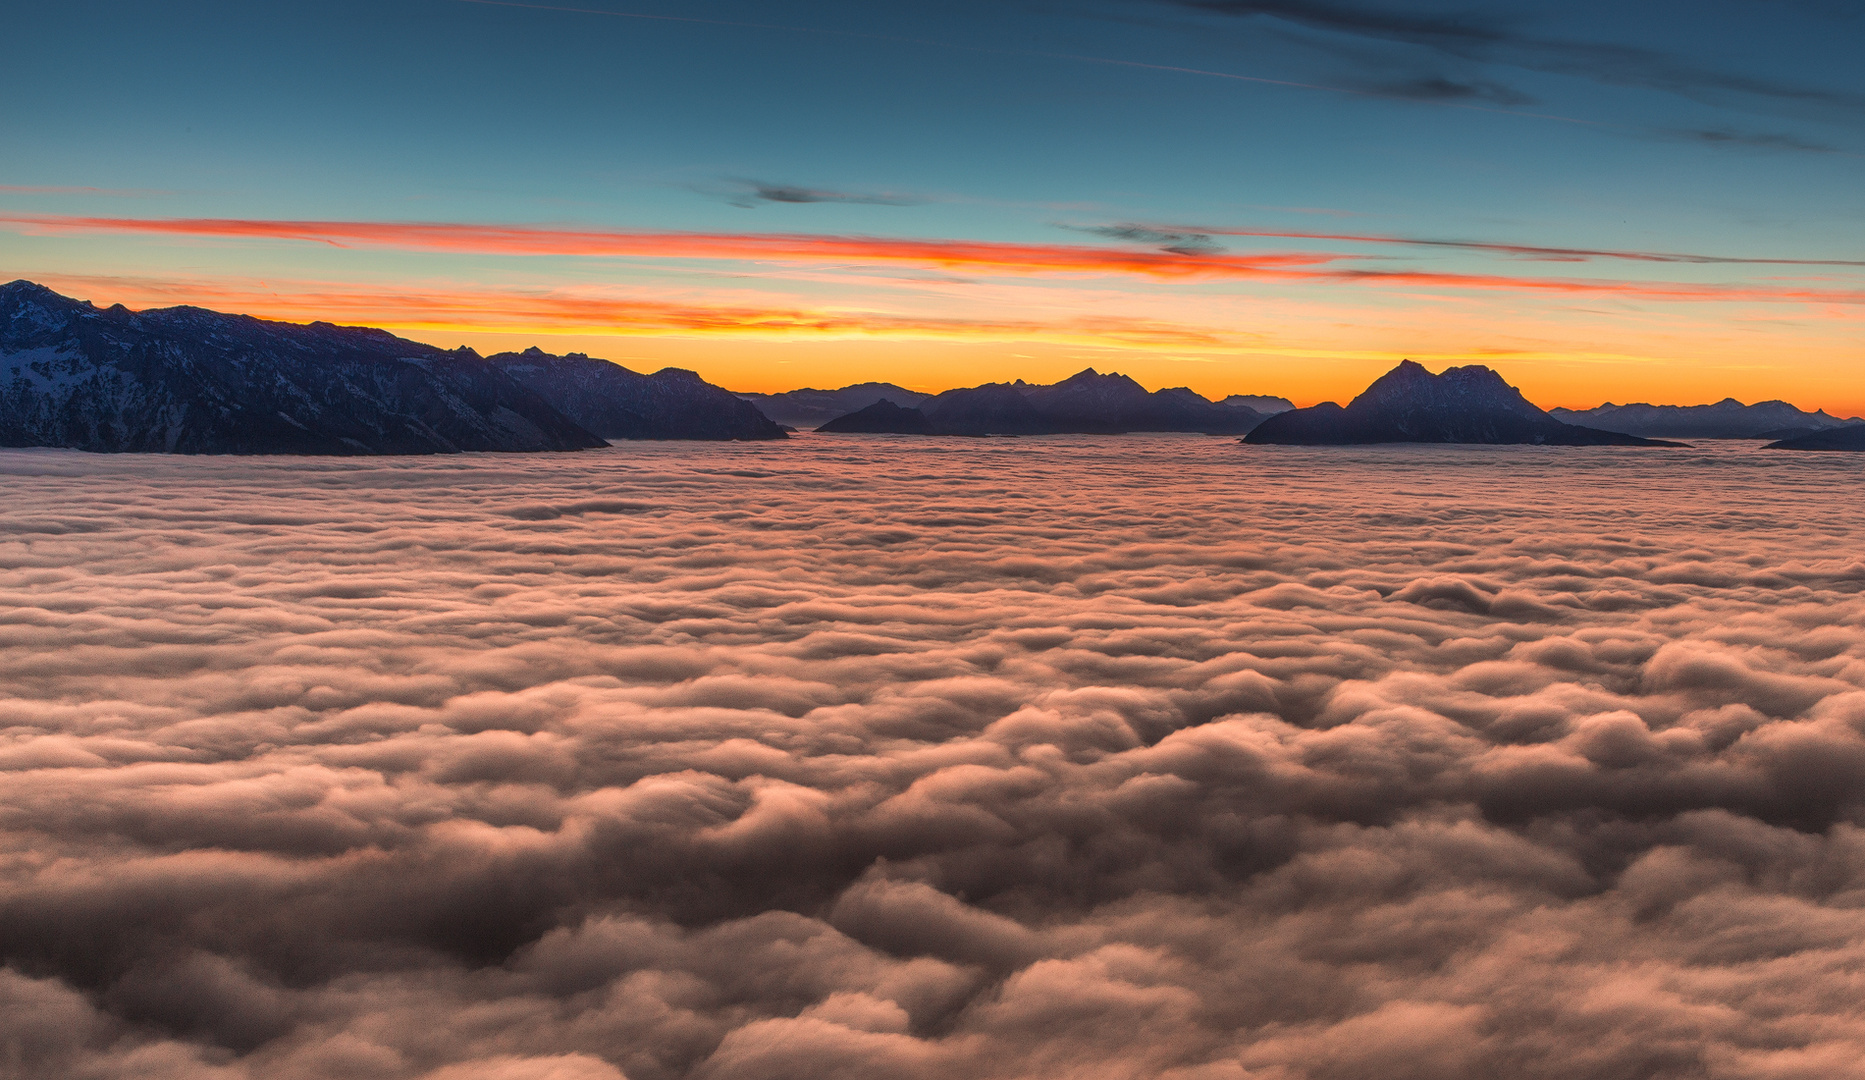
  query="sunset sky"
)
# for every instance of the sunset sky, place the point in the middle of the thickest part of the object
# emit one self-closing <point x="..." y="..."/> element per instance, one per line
<point x="1662" y="201"/>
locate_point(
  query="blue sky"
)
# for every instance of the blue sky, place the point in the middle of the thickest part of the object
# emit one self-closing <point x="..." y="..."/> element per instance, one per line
<point x="1732" y="129"/>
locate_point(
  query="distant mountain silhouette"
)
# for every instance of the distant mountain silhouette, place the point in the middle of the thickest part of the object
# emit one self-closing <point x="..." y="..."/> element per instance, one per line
<point x="1085" y="403"/>
<point x="1262" y="403"/>
<point x="191" y="381"/>
<point x="1782" y="434"/>
<point x="1727" y="419"/>
<point x="617" y="403"/>
<point x="991" y="409"/>
<point x="813" y="408"/>
<point x="1409" y="404"/>
<point x="881" y="418"/>
<point x="1850" y="437"/>
<point x="1090" y="402"/>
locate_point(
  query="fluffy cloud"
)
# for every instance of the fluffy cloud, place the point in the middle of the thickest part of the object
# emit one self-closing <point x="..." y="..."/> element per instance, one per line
<point x="1137" y="757"/>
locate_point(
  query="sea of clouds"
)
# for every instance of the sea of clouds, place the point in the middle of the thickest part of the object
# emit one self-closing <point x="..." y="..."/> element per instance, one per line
<point x="1156" y="757"/>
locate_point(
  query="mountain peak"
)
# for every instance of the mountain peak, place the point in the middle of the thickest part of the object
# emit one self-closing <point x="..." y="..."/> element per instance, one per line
<point x="1473" y="386"/>
<point x="1091" y="377"/>
<point x="1470" y="404"/>
<point x="23" y="291"/>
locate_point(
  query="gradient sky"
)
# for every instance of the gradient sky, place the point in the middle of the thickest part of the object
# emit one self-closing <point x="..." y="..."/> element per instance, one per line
<point x="1662" y="201"/>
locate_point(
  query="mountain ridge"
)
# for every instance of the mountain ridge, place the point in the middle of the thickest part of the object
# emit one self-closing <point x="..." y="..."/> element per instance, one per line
<point x="616" y="403"/>
<point x="810" y="408"/>
<point x="1725" y="419"/>
<point x="1469" y="404"/>
<point x="193" y="381"/>
<point x="1086" y="403"/>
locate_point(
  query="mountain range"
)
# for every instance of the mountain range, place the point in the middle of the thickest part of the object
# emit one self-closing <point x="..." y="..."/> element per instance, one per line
<point x="1727" y="419"/>
<point x="1087" y="402"/>
<point x="1409" y="404"/>
<point x="191" y="381"/>
<point x="811" y="408"/>
<point x="617" y="403"/>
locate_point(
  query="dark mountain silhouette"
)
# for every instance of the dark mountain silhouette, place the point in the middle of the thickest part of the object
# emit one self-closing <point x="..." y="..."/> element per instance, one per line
<point x="617" y="403"/>
<point x="1090" y="402"/>
<point x="1781" y="434"/>
<point x="191" y="381"/>
<point x="1850" y="437"/>
<point x="1727" y="419"/>
<point x="1262" y="403"/>
<point x="1085" y="403"/>
<point x="813" y="408"/>
<point x="881" y="418"/>
<point x="1409" y="404"/>
<point x="991" y="409"/>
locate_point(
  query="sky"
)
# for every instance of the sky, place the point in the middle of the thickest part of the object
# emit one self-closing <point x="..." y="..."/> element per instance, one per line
<point x="1605" y="202"/>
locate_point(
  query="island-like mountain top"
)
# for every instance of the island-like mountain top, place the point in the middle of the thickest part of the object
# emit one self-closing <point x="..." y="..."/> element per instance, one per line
<point x="1848" y="437"/>
<point x="881" y="418"/>
<point x="1471" y="404"/>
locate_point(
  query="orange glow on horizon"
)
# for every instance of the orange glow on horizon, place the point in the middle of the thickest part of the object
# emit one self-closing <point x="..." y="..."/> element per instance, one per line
<point x="775" y="349"/>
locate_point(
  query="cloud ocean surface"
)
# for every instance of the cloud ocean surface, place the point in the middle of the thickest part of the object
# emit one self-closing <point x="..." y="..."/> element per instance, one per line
<point x="1101" y="758"/>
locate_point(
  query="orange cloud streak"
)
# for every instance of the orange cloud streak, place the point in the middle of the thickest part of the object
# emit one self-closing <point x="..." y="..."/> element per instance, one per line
<point x="569" y="313"/>
<point x="980" y="256"/>
<point x="780" y="247"/>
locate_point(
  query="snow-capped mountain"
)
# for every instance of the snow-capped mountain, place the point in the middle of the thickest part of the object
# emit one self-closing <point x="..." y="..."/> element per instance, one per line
<point x="191" y="381"/>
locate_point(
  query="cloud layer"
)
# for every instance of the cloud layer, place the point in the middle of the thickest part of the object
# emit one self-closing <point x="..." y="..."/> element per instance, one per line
<point x="1143" y="757"/>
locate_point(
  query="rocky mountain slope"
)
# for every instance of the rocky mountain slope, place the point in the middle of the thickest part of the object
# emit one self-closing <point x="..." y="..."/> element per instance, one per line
<point x="617" y="403"/>
<point x="191" y="381"/>
<point x="1409" y="404"/>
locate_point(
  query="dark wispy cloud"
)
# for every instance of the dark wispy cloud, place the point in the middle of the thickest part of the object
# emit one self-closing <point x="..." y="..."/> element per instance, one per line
<point x="1129" y="759"/>
<point x="1760" y="140"/>
<point x="1461" y="33"/>
<point x="1495" y="37"/>
<point x="1443" y="88"/>
<point x="1174" y="241"/>
<point x="1161" y="234"/>
<point x="751" y="193"/>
